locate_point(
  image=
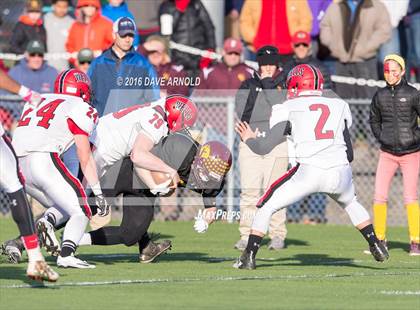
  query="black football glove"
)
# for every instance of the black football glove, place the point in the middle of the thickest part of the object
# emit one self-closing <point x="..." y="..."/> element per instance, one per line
<point x="102" y="204"/>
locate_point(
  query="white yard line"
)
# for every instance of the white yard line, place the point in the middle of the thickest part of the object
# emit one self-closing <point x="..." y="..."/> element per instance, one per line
<point x="186" y="280"/>
<point x="400" y="292"/>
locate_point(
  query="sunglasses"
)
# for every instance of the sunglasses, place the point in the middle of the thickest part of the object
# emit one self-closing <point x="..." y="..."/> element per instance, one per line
<point x="36" y="55"/>
<point x="85" y="62"/>
<point x="234" y="53"/>
<point x="301" y="44"/>
<point x="127" y="35"/>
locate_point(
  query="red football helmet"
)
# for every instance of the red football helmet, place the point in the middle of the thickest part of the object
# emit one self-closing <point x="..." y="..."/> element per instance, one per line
<point x="212" y="163"/>
<point x="181" y="112"/>
<point x="304" y="78"/>
<point x="73" y="82"/>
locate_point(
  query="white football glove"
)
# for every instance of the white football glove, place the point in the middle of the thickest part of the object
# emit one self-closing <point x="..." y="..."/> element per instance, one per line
<point x="201" y="225"/>
<point x="103" y="206"/>
<point x="162" y="188"/>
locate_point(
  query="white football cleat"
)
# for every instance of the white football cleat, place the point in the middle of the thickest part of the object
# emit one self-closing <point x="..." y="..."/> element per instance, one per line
<point x="73" y="262"/>
<point x="47" y="238"/>
<point x="41" y="271"/>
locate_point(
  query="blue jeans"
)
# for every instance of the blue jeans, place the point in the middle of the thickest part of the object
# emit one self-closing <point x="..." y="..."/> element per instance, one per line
<point x="412" y="32"/>
<point x="393" y="46"/>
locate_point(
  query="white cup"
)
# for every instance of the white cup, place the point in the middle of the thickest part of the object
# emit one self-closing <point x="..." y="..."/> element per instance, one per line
<point x="166" y="24"/>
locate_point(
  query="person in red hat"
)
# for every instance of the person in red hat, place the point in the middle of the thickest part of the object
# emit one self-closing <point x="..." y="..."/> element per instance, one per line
<point x="91" y="30"/>
<point x="230" y="72"/>
<point x="302" y="54"/>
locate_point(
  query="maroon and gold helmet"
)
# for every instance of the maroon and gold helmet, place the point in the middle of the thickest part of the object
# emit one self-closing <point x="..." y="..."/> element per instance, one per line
<point x="212" y="162"/>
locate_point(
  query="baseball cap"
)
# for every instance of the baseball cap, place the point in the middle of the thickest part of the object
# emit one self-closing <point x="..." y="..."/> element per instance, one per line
<point x="301" y="37"/>
<point x="397" y="58"/>
<point x="124" y="26"/>
<point x="33" y="6"/>
<point x="35" y="46"/>
<point x="85" y="55"/>
<point x="232" y="45"/>
<point x="268" y="55"/>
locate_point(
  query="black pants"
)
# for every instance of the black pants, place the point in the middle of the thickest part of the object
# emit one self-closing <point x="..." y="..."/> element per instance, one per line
<point x="138" y="208"/>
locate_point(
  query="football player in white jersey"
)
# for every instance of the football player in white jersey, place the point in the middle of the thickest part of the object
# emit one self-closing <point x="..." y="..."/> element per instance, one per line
<point x="42" y="135"/>
<point x="12" y="182"/>
<point x="319" y="130"/>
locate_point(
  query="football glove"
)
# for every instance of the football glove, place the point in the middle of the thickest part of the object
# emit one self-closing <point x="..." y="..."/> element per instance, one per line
<point x="30" y="96"/>
<point x="102" y="204"/>
<point x="200" y="225"/>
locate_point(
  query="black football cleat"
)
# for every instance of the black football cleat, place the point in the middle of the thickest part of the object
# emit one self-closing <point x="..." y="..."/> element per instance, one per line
<point x="245" y="261"/>
<point x="12" y="249"/>
<point x="379" y="251"/>
<point x="153" y="250"/>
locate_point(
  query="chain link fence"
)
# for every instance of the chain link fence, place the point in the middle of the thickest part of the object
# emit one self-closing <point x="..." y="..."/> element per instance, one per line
<point x="216" y="121"/>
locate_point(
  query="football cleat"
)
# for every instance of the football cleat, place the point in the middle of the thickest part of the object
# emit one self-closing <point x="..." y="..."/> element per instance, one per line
<point x="47" y="238"/>
<point x="414" y="249"/>
<point x="245" y="261"/>
<point x="383" y="242"/>
<point x="276" y="244"/>
<point x="41" y="271"/>
<point x="241" y="244"/>
<point x="153" y="250"/>
<point x="379" y="251"/>
<point x="12" y="249"/>
<point x="73" y="262"/>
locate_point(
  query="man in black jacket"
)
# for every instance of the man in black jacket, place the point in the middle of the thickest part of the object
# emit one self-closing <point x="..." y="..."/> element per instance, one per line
<point x="394" y="122"/>
<point x="191" y="25"/>
<point x="253" y="105"/>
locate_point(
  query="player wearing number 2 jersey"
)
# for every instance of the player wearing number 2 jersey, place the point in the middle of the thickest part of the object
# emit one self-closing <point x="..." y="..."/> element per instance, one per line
<point x="319" y="127"/>
<point x="43" y="134"/>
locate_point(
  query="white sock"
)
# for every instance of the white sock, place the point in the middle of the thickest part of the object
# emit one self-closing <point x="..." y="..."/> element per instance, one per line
<point x="35" y="254"/>
<point x="86" y="239"/>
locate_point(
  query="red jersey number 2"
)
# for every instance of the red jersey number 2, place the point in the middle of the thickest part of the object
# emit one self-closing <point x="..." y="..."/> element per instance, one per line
<point x="325" y="113"/>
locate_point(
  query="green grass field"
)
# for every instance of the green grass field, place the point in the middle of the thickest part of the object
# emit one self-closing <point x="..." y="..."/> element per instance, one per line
<point x="323" y="267"/>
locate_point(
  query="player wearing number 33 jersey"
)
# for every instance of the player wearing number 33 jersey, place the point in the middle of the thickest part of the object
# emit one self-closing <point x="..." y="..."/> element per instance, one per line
<point x="319" y="130"/>
<point x="46" y="131"/>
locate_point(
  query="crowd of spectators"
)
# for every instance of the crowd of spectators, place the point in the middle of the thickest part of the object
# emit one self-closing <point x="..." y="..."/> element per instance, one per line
<point x="116" y="41"/>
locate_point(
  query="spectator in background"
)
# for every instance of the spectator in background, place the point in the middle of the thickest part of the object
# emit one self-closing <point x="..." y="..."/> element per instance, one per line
<point x="29" y="27"/>
<point x="302" y="54"/>
<point x="33" y="71"/>
<point x="253" y="105"/>
<point x="394" y="115"/>
<point x="90" y="30"/>
<point x="125" y="72"/>
<point x="366" y="26"/>
<point x="274" y="22"/>
<point x="57" y="24"/>
<point x="84" y="59"/>
<point x="302" y="48"/>
<point x="230" y="72"/>
<point x="187" y="22"/>
<point x="412" y="22"/>
<point x="116" y="9"/>
<point x="146" y="16"/>
<point x="232" y="11"/>
<point x="396" y="10"/>
<point x="156" y="49"/>
<point x="318" y="9"/>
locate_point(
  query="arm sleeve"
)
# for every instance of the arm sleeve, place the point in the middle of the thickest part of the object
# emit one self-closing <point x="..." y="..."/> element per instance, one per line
<point x="17" y="39"/>
<point x="208" y="27"/>
<point x="274" y="137"/>
<point x="375" y="117"/>
<point x="349" y="145"/>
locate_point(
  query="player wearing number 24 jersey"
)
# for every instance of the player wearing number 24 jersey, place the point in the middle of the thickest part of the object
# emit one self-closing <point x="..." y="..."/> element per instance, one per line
<point x="319" y="130"/>
<point x="43" y="133"/>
